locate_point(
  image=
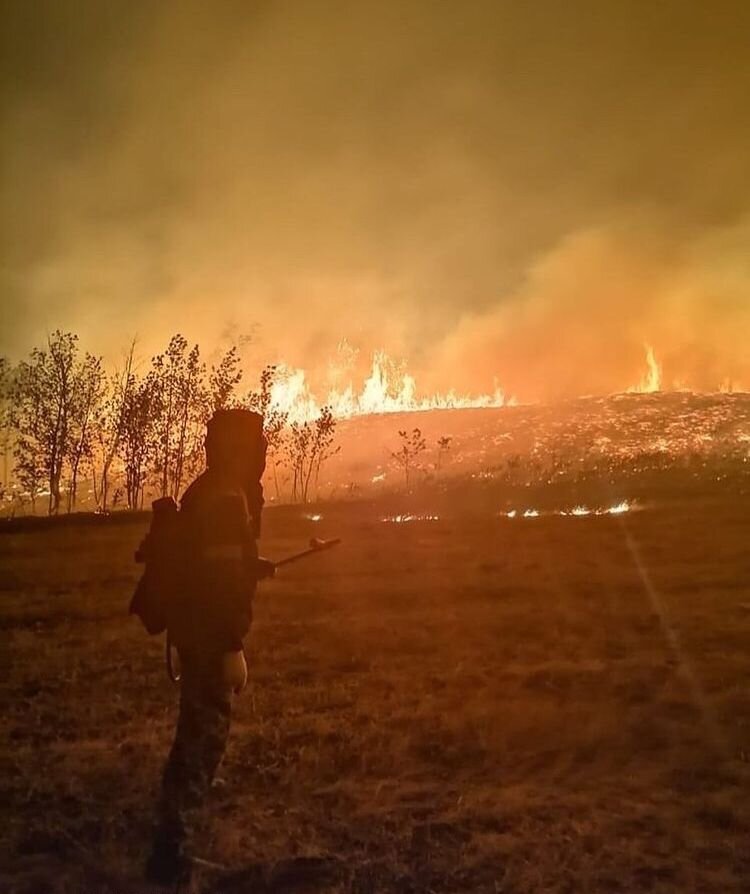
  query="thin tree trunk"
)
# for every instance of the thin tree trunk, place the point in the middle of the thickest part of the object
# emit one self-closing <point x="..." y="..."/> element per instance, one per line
<point x="307" y="478"/>
<point x="276" y="480"/>
<point x="73" y="495"/>
<point x="180" y="459"/>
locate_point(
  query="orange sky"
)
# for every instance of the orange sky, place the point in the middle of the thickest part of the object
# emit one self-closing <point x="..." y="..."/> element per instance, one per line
<point x="496" y="191"/>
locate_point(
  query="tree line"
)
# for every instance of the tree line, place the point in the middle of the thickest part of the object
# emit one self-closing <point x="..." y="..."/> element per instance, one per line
<point x="67" y="423"/>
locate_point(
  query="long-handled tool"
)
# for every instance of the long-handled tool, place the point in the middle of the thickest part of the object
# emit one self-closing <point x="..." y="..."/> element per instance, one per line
<point x="316" y="546"/>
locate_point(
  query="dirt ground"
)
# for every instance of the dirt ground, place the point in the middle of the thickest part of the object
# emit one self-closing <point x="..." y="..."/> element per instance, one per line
<point x="469" y="704"/>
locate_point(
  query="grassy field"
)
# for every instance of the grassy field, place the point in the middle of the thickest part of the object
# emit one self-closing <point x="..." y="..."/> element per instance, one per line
<point x="470" y="704"/>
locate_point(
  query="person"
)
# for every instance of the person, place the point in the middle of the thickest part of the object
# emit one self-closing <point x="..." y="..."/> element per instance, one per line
<point x="207" y="620"/>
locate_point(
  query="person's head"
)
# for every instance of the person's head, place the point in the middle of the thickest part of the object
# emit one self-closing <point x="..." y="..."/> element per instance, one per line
<point x="235" y="446"/>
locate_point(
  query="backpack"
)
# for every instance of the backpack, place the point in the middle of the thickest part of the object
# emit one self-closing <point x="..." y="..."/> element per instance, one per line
<point x="162" y="554"/>
<point x="199" y="564"/>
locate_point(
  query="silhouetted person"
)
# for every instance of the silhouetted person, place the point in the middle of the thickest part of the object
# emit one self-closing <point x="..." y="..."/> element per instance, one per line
<point x="215" y="568"/>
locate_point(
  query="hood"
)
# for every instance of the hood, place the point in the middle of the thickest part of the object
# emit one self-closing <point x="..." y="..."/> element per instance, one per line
<point x="236" y="446"/>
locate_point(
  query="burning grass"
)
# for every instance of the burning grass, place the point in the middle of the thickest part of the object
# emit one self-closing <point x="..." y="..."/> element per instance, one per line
<point x="575" y="512"/>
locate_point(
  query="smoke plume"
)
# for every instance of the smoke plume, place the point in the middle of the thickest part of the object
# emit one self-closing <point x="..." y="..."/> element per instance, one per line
<point x="519" y="193"/>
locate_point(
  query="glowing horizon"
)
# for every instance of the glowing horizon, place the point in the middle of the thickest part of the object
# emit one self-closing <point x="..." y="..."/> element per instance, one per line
<point x="389" y="388"/>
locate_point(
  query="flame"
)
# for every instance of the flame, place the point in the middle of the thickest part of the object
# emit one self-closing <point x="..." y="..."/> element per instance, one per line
<point x="576" y="512"/>
<point x="619" y="509"/>
<point x="731" y="386"/>
<point x="387" y="389"/>
<point x="651" y="381"/>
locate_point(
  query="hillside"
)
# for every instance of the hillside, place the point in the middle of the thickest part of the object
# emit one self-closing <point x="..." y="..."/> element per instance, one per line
<point x="544" y="442"/>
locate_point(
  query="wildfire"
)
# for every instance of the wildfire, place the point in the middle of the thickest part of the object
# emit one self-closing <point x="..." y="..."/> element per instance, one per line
<point x="386" y="390"/>
<point x="389" y="388"/>
<point x="583" y="511"/>
<point x="576" y="512"/>
<point x="618" y="509"/>
<point x="651" y="381"/>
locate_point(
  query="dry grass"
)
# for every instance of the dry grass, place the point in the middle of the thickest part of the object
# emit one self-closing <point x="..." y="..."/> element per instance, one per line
<point x="472" y="704"/>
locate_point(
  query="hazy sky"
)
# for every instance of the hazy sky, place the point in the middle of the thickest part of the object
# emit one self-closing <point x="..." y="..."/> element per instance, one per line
<point x="525" y="192"/>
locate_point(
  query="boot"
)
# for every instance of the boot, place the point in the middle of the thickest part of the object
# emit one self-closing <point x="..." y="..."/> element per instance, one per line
<point x="168" y="865"/>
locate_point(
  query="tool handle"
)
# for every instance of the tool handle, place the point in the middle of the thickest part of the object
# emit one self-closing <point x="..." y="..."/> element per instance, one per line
<point x="316" y="546"/>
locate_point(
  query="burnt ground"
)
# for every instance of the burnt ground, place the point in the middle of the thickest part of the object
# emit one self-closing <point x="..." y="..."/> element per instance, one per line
<point x="470" y="704"/>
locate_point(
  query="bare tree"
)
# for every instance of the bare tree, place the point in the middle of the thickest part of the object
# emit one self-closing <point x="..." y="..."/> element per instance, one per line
<point x="407" y="455"/>
<point x="111" y="421"/>
<point x="443" y="448"/>
<point x="308" y="446"/>
<point x="323" y="449"/>
<point x="275" y="423"/>
<point x="190" y="420"/>
<point x="29" y="422"/>
<point x="88" y="392"/>
<point x="164" y="384"/>
<point x="138" y="443"/>
<point x="5" y="423"/>
<point x="223" y="380"/>
<point x="177" y="384"/>
<point x="297" y="448"/>
<point x="41" y="413"/>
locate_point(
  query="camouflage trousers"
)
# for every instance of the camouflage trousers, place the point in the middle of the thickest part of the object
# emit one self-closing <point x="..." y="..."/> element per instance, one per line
<point x="199" y="743"/>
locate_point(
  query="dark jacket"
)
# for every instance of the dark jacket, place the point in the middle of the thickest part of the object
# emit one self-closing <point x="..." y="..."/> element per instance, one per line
<point x="220" y="522"/>
<point x="218" y="530"/>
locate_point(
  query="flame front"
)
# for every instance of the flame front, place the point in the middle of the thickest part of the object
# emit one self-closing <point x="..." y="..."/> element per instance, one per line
<point x="385" y="390"/>
<point x="388" y="388"/>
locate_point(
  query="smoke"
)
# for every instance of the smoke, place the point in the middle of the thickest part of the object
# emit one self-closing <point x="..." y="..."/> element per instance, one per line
<point x="496" y="191"/>
<point x="581" y="320"/>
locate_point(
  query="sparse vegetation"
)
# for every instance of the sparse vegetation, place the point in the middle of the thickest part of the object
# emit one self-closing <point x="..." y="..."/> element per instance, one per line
<point x="308" y="446"/>
<point x="443" y="450"/>
<point x="275" y="423"/>
<point x="406" y="457"/>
